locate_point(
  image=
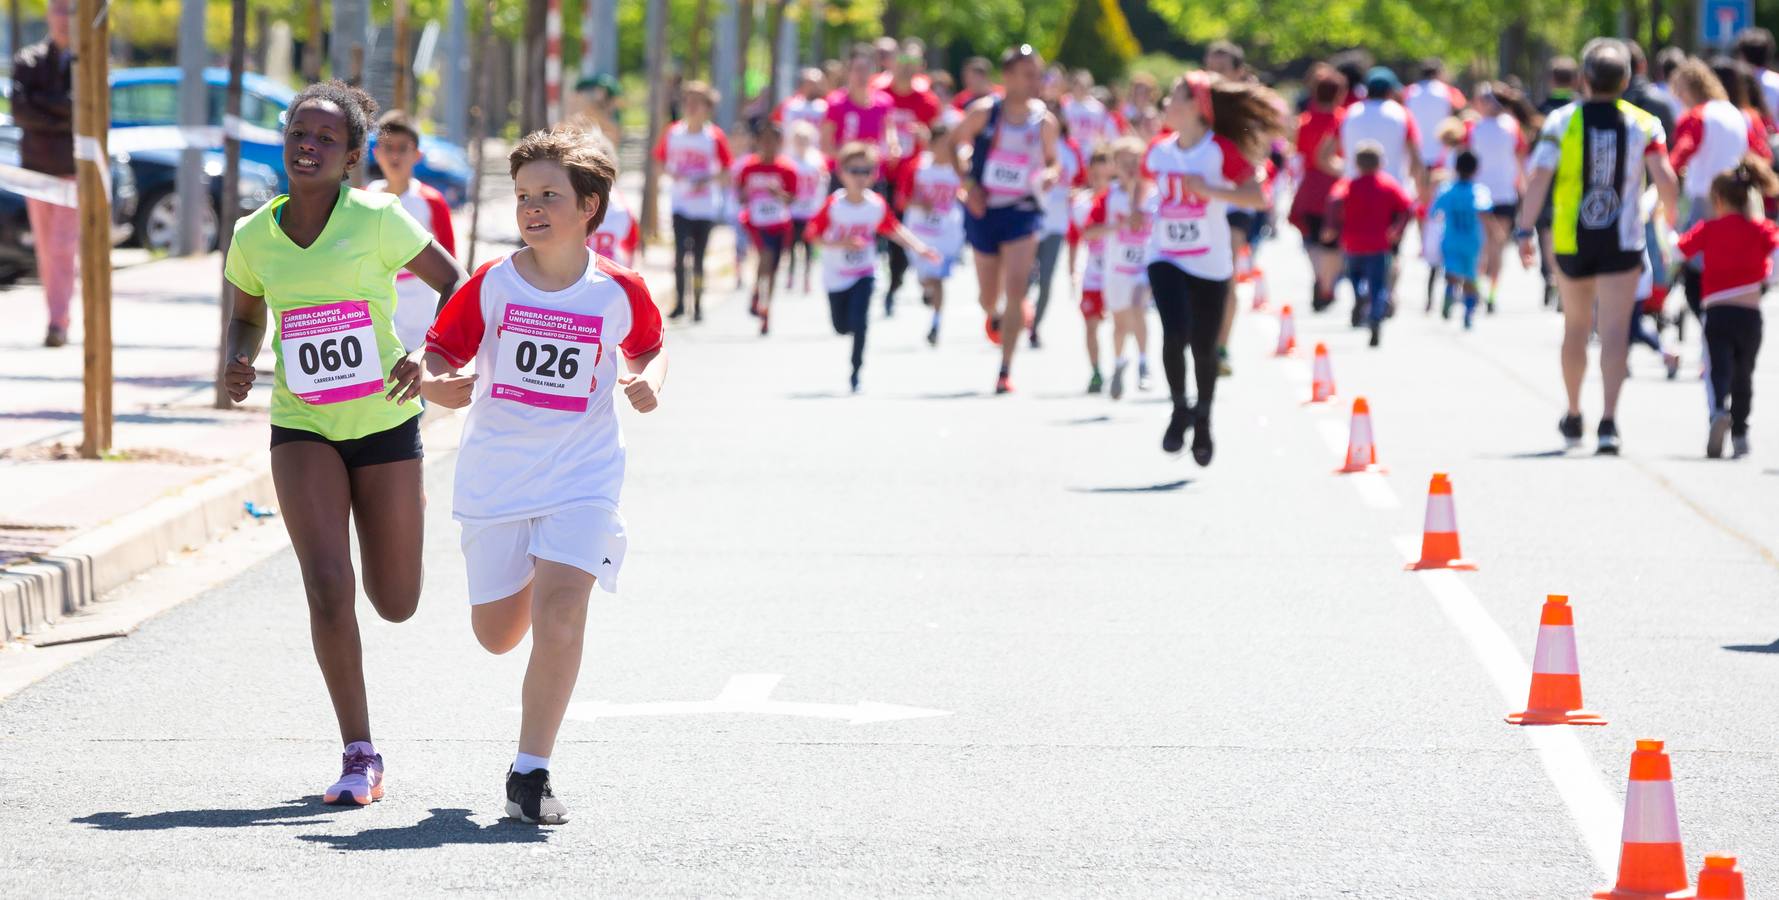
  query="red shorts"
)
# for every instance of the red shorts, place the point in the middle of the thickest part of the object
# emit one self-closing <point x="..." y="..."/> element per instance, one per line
<point x="1093" y="305"/>
<point x="772" y="237"/>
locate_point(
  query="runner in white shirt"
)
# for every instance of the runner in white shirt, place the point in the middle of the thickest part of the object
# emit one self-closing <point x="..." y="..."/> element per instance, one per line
<point x="1431" y="101"/>
<point x="847" y="227"/>
<point x="1219" y="127"/>
<point x="1072" y="174"/>
<point x="1123" y="226"/>
<point x="618" y="235"/>
<point x="1093" y="270"/>
<point x="806" y="105"/>
<point x="812" y="189"/>
<point x="929" y="191"/>
<point x="1090" y="122"/>
<point x="1380" y="118"/>
<point x="1498" y="139"/>
<point x="695" y="155"/>
<point x="397" y="151"/>
<point x="555" y="331"/>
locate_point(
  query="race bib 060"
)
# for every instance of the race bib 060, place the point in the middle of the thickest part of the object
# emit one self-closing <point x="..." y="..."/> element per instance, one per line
<point x="545" y="358"/>
<point x="330" y="352"/>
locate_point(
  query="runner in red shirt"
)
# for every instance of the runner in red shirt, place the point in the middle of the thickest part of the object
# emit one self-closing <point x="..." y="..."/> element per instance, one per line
<point x="1318" y="157"/>
<point x="1370" y="209"/>
<point x="767" y="184"/>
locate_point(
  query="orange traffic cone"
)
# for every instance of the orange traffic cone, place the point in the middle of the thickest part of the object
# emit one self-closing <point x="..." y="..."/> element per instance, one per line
<point x="1259" y="289"/>
<point x="1651" y="862"/>
<point x="1361" y="452"/>
<point x="1556" y="676"/>
<point x="1720" y="879"/>
<point x="1439" y="537"/>
<point x="1287" y="333"/>
<point x="1322" y="381"/>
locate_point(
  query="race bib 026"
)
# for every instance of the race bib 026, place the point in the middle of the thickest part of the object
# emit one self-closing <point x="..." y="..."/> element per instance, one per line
<point x="545" y="358"/>
<point x="330" y="352"/>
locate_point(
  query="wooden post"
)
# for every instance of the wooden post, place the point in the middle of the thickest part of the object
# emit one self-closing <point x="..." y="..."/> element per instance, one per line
<point x="312" y="49"/>
<point x="651" y="172"/>
<point x="92" y="118"/>
<point x="402" y="65"/>
<point x="694" y="56"/>
<point x="479" y="134"/>
<point x="231" y="181"/>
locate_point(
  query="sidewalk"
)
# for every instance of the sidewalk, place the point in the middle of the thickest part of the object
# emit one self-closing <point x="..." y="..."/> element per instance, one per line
<point x="181" y="471"/>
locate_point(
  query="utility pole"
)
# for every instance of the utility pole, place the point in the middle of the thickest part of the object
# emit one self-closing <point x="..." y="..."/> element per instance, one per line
<point x="400" y="88"/>
<point x="192" y="194"/>
<point x="484" y="104"/>
<point x="92" y="120"/>
<point x="657" y="63"/>
<point x="599" y="38"/>
<point x="533" y="109"/>
<point x="312" y="50"/>
<point x="457" y="69"/>
<point x="724" y="63"/>
<point x="231" y="181"/>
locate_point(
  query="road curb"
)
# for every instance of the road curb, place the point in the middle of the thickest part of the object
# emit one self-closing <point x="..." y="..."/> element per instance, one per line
<point x="36" y="595"/>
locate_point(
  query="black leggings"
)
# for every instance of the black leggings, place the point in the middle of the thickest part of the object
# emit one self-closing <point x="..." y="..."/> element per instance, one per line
<point x="690" y="238"/>
<point x="1732" y="341"/>
<point x="1191" y="310"/>
<point x="850" y="310"/>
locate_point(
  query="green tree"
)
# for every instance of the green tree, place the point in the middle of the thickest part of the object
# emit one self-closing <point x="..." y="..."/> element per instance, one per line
<point x="1097" y="38"/>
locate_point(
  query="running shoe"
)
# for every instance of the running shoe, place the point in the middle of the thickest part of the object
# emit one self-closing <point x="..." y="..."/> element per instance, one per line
<point x="1489" y="306"/>
<point x="1570" y="426"/>
<point x="933" y="336"/>
<point x="530" y="800"/>
<point x="678" y="312"/>
<point x="1201" y="438"/>
<point x="1445" y="306"/>
<point x="992" y="326"/>
<point x="1469" y="316"/>
<point x="1095" y="384"/>
<point x="55" y="337"/>
<point x="1143" y="382"/>
<point x="1003" y="385"/>
<point x="1739" y="447"/>
<point x="1223" y="367"/>
<point x="855" y="381"/>
<point x="1672" y="361"/>
<point x="1358" y="314"/>
<point x="764" y="318"/>
<point x="1174" y="438"/>
<point x="753" y="306"/>
<point x="1608" y="437"/>
<point x="1720" y="429"/>
<point x="697" y="313"/>
<point x="1036" y="344"/>
<point x="1118" y="379"/>
<point x="361" y="777"/>
<point x="1377" y="333"/>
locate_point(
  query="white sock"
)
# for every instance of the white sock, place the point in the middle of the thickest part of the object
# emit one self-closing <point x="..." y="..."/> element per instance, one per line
<point x="525" y="763"/>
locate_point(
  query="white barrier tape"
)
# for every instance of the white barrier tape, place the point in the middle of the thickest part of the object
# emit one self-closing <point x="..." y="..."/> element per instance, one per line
<point x="233" y="127"/>
<point x="38" y="186"/>
<point x="86" y="147"/>
<point x="179" y="137"/>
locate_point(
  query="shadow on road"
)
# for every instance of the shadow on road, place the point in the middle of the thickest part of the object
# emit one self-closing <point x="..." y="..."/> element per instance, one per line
<point x="290" y="812"/>
<point x="1753" y="648"/>
<point x="948" y="395"/>
<point x="1089" y="420"/>
<point x="1162" y="488"/>
<point x="1543" y="454"/>
<point x="441" y="828"/>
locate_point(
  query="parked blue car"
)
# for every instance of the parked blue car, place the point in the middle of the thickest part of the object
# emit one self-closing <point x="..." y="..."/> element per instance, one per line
<point x="150" y="97"/>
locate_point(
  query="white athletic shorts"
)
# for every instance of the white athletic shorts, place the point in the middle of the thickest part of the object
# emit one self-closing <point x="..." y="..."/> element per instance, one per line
<point x="499" y="557"/>
<point x="1120" y="291"/>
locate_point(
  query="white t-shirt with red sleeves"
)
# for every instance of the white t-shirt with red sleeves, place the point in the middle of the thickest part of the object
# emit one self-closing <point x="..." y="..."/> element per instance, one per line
<point x="1127" y="249"/>
<point x="1192" y="232"/>
<point x="766" y="187"/>
<point x="1090" y="123"/>
<point x="1093" y="274"/>
<point x="812" y="184"/>
<point x="415" y="301"/>
<point x="617" y="236"/>
<point x="542" y="433"/>
<point x="1386" y="122"/>
<point x="843" y="222"/>
<point x="931" y="209"/>
<point x="1499" y="146"/>
<point x="798" y="108"/>
<point x="1431" y="102"/>
<point x="693" y="159"/>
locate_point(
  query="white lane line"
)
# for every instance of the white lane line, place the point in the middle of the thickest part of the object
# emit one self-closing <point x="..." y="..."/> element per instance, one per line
<point x="1373" y="489"/>
<point x="1594" y="807"/>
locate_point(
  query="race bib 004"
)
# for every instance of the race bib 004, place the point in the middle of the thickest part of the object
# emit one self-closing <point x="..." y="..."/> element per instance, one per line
<point x="545" y="358"/>
<point x="330" y="352"/>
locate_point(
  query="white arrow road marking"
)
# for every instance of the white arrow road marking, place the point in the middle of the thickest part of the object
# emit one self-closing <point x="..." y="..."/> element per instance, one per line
<point x="1594" y="807"/>
<point x="752" y="695"/>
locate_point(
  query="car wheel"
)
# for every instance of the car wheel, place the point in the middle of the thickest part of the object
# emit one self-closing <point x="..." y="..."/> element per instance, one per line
<point x="157" y="223"/>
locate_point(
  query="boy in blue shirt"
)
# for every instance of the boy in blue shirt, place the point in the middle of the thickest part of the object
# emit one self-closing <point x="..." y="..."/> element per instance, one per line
<point x="1459" y="205"/>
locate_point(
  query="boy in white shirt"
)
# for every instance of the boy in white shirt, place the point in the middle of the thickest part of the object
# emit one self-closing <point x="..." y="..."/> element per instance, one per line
<point x="397" y="151"/>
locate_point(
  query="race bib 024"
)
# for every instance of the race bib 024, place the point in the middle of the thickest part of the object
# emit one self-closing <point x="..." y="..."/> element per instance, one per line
<point x="545" y="358"/>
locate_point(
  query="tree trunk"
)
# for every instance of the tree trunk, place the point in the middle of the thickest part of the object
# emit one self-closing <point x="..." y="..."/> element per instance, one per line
<point x="744" y="12"/>
<point x="657" y="66"/>
<point x="533" y="114"/>
<point x="1511" y="49"/>
<point x="694" y="56"/>
<point x="774" y="32"/>
<point x="312" y="48"/>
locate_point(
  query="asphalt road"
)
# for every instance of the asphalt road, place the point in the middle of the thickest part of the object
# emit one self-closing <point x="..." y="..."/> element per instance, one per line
<point x="1158" y="679"/>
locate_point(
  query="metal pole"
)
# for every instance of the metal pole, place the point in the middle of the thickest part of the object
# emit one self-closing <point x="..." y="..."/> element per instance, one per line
<point x="457" y="98"/>
<point x="724" y="62"/>
<point x="350" y="36"/>
<point x="231" y="180"/>
<point x="657" y="59"/>
<point x="192" y="194"/>
<point x="484" y="102"/>
<point x="92" y="118"/>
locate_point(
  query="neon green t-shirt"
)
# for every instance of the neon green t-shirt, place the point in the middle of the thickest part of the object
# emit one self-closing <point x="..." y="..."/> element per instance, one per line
<point x="332" y="309"/>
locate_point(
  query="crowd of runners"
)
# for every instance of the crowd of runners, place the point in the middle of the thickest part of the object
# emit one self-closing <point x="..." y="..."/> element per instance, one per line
<point x="1618" y="180"/>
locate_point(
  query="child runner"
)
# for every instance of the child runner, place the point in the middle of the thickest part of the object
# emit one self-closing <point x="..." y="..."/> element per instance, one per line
<point x="1072" y="173"/>
<point x="695" y="154"/>
<point x="812" y="189"/>
<point x="397" y="150"/>
<point x="321" y="262"/>
<point x="617" y="236"/>
<point x="1458" y="211"/>
<point x="1318" y="155"/>
<point x="929" y="190"/>
<point x="1093" y="271"/>
<point x="847" y="227"/>
<point x="1124" y="228"/>
<point x="542" y="462"/>
<point x="768" y="183"/>
<point x="1220" y="128"/>
<point x="1735" y="247"/>
<point x="1371" y="210"/>
<point x="1497" y="137"/>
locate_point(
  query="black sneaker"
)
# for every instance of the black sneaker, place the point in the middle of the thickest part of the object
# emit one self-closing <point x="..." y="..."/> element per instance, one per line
<point x="1377" y="332"/>
<point x="1358" y="314"/>
<point x="1201" y="438"/>
<point x="1173" y="440"/>
<point x="678" y="312"/>
<point x="1036" y="344"/>
<point x="1570" y="426"/>
<point x="1608" y="435"/>
<point x="933" y="336"/>
<point x="1720" y="429"/>
<point x="530" y="800"/>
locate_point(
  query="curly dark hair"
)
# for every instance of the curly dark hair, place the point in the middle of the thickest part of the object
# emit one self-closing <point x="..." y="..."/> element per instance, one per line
<point x="359" y="108"/>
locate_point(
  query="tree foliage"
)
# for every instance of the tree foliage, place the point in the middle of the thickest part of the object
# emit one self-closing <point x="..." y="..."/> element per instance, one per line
<point x="1097" y="38"/>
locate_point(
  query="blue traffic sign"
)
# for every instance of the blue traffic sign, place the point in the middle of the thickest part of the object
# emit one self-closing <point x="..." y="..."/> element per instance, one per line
<point x="1721" y="20"/>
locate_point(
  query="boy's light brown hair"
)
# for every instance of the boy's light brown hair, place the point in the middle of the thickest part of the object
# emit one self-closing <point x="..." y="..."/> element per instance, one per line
<point x="395" y="122"/>
<point x="858" y="150"/>
<point x="590" y="171"/>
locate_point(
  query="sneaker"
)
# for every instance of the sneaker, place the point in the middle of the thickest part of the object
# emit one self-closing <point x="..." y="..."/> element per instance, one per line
<point x="1377" y="333"/>
<point x="933" y="336"/>
<point x="1570" y="426"/>
<point x="1469" y="317"/>
<point x="697" y="313"/>
<point x="55" y="337"/>
<point x="1118" y="379"/>
<point x="1143" y="382"/>
<point x="1489" y="306"/>
<point x="530" y="800"/>
<point x="854" y="381"/>
<point x="1223" y="368"/>
<point x="992" y="326"/>
<point x="1672" y="361"/>
<point x="753" y="306"/>
<point x="1095" y="384"/>
<point x="1174" y="438"/>
<point x="1445" y="307"/>
<point x="1036" y="344"/>
<point x="764" y="318"/>
<point x="1201" y="438"/>
<point x="1358" y="314"/>
<point x="1003" y="385"/>
<point x="361" y="777"/>
<point x="1608" y="436"/>
<point x="1720" y="429"/>
<point x="678" y="312"/>
<point x="1739" y="447"/>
